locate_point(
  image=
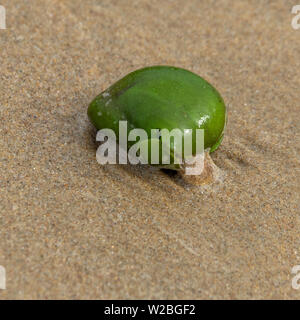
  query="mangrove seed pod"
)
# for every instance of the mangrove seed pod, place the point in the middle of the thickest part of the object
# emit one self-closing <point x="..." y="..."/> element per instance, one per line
<point x="162" y="97"/>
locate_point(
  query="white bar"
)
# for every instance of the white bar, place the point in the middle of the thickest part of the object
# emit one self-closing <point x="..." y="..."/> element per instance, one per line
<point x="2" y="278"/>
<point x="2" y="18"/>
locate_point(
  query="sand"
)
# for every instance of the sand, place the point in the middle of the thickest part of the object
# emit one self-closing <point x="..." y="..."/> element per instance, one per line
<point x="72" y="229"/>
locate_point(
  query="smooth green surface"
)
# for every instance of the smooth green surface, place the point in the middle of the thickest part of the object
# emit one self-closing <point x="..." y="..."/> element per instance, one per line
<point x="162" y="97"/>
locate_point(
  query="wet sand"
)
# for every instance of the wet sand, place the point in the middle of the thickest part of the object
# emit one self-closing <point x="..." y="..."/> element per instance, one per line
<point x="70" y="228"/>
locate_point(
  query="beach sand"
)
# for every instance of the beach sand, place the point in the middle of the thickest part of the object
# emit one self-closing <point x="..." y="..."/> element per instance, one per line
<point x="72" y="229"/>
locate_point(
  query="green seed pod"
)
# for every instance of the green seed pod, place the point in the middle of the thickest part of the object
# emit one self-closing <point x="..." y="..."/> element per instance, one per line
<point x="162" y="97"/>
